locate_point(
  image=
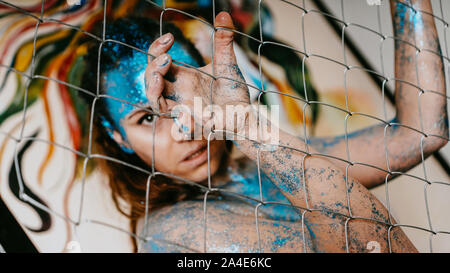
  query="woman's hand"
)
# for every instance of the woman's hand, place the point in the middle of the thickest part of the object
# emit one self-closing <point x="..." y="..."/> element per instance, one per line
<point x="219" y="83"/>
<point x="159" y="63"/>
<point x="229" y="87"/>
<point x="225" y="88"/>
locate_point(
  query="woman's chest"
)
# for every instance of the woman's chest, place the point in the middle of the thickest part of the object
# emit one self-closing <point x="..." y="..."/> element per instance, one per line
<point x="255" y="189"/>
<point x="224" y="226"/>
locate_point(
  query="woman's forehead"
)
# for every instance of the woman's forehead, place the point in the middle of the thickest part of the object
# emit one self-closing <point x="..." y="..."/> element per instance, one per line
<point x="126" y="82"/>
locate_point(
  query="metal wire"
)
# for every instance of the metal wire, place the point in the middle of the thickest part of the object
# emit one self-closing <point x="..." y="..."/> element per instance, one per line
<point x="261" y="202"/>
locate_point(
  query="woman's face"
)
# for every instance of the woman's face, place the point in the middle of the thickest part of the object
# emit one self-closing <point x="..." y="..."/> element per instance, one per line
<point x="184" y="158"/>
<point x="138" y="131"/>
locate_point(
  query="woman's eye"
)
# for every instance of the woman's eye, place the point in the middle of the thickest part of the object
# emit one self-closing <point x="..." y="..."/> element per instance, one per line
<point x="146" y="119"/>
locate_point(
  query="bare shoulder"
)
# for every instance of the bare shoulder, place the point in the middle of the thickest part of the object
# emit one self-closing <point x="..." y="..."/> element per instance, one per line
<point x="174" y="228"/>
<point x="181" y="227"/>
<point x="229" y="226"/>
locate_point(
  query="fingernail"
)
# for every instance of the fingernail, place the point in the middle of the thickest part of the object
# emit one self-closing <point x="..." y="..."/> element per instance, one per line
<point x="165" y="38"/>
<point x="162" y="60"/>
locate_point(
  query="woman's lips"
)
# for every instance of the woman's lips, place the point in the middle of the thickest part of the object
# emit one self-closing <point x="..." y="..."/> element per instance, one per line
<point x="197" y="156"/>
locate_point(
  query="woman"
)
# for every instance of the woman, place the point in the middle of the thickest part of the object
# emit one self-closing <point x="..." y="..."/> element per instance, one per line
<point x="311" y="202"/>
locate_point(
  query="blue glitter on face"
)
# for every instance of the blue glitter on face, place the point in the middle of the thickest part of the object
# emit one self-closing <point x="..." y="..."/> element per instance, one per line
<point x="126" y="82"/>
<point x="180" y="54"/>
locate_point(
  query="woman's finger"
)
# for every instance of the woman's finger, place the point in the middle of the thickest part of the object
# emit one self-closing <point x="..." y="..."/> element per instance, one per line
<point x="158" y="66"/>
<point x="223" y="40"/>
<point x="156" y="69"/>
<point x="161" y="64"/>
<point x="160" y="46"/>
<point x="154" y="88"/>
<point x="154" y="82"/>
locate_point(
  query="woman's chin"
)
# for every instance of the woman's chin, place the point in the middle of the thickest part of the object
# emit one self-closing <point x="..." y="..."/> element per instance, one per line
<point x="200" y="174"/>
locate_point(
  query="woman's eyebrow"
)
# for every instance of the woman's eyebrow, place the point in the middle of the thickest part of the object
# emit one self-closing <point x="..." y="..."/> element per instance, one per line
<point x="147" y="109"/>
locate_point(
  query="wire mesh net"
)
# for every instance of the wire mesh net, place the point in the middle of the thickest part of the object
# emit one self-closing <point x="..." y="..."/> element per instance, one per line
<point x="308" y="101"/>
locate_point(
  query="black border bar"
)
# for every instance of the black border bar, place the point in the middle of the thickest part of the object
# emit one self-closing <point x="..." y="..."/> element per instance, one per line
<point x="12" y="237"/>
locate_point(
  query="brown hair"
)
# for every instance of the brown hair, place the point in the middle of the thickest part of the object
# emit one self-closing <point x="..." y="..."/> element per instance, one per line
<point x="130" y="185"/>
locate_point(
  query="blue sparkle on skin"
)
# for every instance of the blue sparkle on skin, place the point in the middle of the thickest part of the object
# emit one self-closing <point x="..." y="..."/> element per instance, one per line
<point x="401" y="11"/>
<point x="418" y="22"/>
<point x="246" y="182"/>
<point x="109" y="129"/>
<point x="339" y="204"/>
<point x="326" y="142"/>
<point x="396" y="121"/>
<point x="279" y="242"/>
<point x="290" y="183"/>
<point x="183" y="127"/>
<point x="174" y="97"/>
<point x="153" y="246"/>
<point x="418" y="26"/>
<point x="311" y="232"/>
<point x="126" y="81"/>
<point x="180" y="54"/>
<point x="415" y="17"/>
